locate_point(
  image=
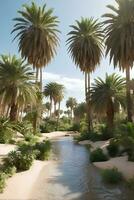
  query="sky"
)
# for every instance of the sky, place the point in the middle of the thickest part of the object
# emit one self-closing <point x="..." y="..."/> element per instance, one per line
<point x="61" y="69"/>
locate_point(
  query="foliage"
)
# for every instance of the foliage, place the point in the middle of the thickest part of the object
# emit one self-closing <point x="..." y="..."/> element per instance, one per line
<point x="125" y="134"/>
<point x="97" y="156"/>
<point x="6" y="131"/>
<point x="43" y="150"/>
<point x="36" y="29"/>
<point x="21" y="160"/>
<point x="9" y="170"/>
<point x="112" y="176"/>
<point x="49" y="126"/>
<point x="110" y="91"/>
<point x="130" y="183"/>
<point x="2" y="181"/>
<point x="16" y="76"/>
<point x="113" y="148"/>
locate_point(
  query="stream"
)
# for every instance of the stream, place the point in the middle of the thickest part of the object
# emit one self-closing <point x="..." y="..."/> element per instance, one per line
<point x="73" y="177"/>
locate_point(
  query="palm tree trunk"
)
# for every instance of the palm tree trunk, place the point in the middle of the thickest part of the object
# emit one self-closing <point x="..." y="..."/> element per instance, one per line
<point x="89" y="117"/>
<point x="128" y="95"/>
<point x="58" y="116"/>
<point x="86" y="86"/>
<point x="41" y="79"/>
<point x="50" y="107"/>
<point x="13" y="112"/>
<point x="110" y="117"/>
<point x="37" y="74"/>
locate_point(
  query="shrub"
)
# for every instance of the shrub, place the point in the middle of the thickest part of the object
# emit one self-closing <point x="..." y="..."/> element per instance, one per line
<point x="126" y="138"/>
<point x="9" y="170"/>
<point x="105" y="132"/>
<point x="21" y="160"/>
<point x="2" y="181"/>
<point x="130" y="183"/>
<point x="113" y="148"/>
<point x="98" y="156"/>
<point x="43" y="149"/>
<point x="6" y="131"/>
<point x="82" y="137"/>
<point x="112" y="176"/>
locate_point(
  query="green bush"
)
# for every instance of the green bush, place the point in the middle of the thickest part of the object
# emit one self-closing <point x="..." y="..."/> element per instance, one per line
<point x="2" y="181"/>
<point x="130" y="183"/>
<point x="112" y="176"/>
<point x="6" y="131"/>
<point x="43" y="149"/>
<point x="113" y="148"/>
<point x="125" y="134"/>
<point x="105" y="132"/>
<point x="97" y="156"/>
<point x="9" y="170"/>
<point x="21" y="160"/>
<point x="82" y="137"/>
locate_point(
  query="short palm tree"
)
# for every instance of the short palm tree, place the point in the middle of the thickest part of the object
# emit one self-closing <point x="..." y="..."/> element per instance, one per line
<point x="55" y="92"/>
<point x="120" y="41"/>
<point x="71" y="103"/>
<point x="36" y="29"/>
<point x="48" y="107"/>
<point x="17" y="87"/>
<point x="85" y="48"/>
<point x="106" y="95"/>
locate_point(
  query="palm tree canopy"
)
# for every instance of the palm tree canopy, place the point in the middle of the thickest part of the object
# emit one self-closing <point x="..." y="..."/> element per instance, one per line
<point x="55" y="91"/>
<point x="120" y="33"/>
<point x="71" y="103"/>
<point x="103" y="92"/>
<point x="16" y="80"/>
<point x="85" y="44"/>
<point x="37" y="33"/>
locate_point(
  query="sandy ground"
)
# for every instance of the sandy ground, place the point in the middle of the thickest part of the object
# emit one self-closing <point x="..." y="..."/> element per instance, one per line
<point x="21" y="185"/>
<point x="6" y="148"/>
<point x="121" y="163"/>
<point x="57" y="134"/>
<point x="94" y="145"/>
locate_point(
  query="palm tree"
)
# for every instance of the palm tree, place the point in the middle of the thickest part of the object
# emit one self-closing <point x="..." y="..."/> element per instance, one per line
<point x="17" y="87"/>
<point x="85" y="48"/>
<point x="119" y="41"/>
<point x="36" y="29"/>
<point x="80" y="111"/>
<point x="55" y="92"/>
<point x="48" y="107"/>
<point x="107" y="95"/>
<point x="71" y="103"/>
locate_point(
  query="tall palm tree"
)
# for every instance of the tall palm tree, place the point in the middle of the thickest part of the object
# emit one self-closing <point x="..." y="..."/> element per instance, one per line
<point x="71" y="103"/>
<point x="85" y="48"/>
<point x="80" y="111"/>
<point x="120" y="41"/>
<point x="36" y="29"/>
<point x="16" y="80"/>
<point x="107" y="95"/>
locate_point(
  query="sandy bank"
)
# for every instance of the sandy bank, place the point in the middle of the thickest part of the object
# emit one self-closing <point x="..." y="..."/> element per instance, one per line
<point x="57" y="134"/>
<point x="121" y="163"/>
<point x="95" y="145"/>
<point x="21" y="185"/>
<point x="6" y="148"/>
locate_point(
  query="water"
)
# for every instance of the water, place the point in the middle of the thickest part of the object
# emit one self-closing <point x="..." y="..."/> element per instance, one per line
<point x="72" y="177"/>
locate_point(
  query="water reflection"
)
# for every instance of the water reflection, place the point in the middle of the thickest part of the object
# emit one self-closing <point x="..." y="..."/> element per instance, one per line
<point x="73" y="178"/>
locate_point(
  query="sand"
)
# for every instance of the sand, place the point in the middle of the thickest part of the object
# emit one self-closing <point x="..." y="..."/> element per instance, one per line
<point x="6" y="148"/>
<point x="121" y="163"/>
<point x="21" y="185"/>
<point x="57" y="134"/>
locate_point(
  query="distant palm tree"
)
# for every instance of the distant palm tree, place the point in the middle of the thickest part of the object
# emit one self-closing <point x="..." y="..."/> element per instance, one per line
<point x="17" y="87"/>
<point x="37" y="33"/>
<point x="107" y="95"/>
<point x="48" y="107"/>
<point x="71" y="103"/>
<point x="120" y="40"/>
<point x="80" y="111"/>
<point x="85" y="48"/>
<point x="55" y="92"/>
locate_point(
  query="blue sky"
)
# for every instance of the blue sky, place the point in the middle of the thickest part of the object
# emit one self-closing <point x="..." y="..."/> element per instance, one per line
<point x="62" y="68"/>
